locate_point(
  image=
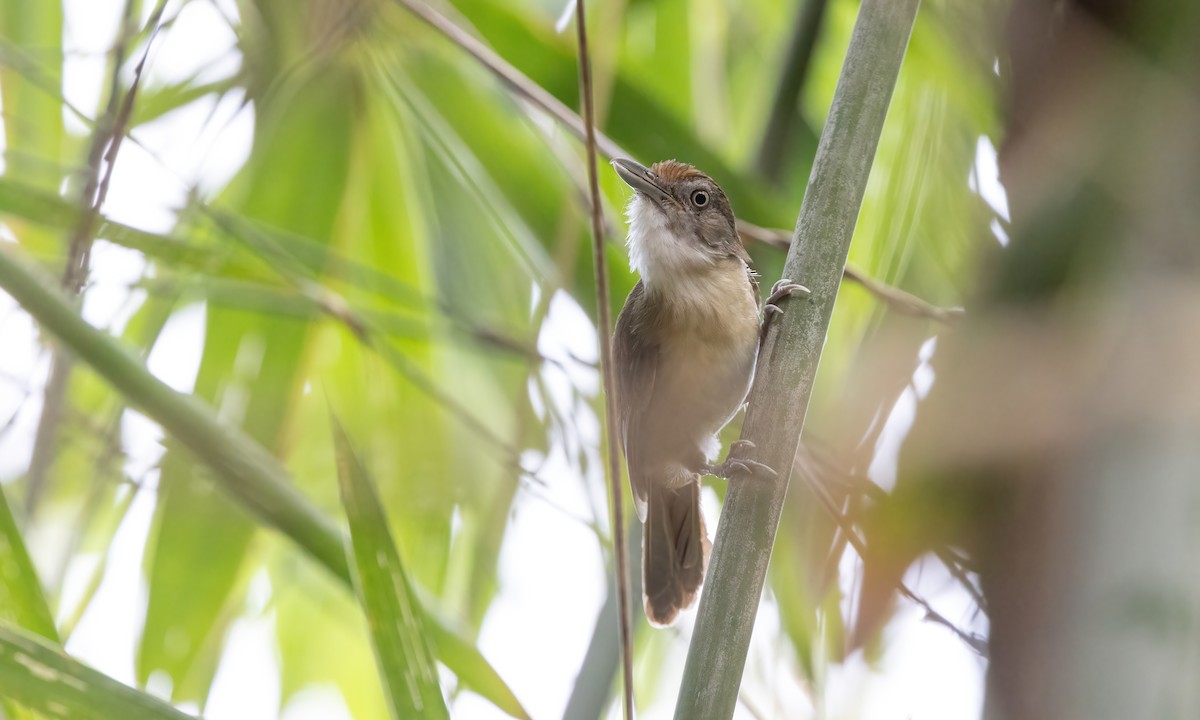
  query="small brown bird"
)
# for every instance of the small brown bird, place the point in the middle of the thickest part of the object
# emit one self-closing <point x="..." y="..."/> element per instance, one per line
<point x="684" y="351"/>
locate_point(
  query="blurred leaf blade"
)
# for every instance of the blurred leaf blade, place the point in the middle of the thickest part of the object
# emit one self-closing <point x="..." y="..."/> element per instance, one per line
<point x="243" y="467"/>
<point x="250" y="368"/>
<point x="637" y="118"/>
<point x="46" y="680"/>
<point x="471" y="667"/>
<point x="401" y="647"/>
<point x="30" y="80"/>
<point x="250" y="475"/>
<point x="22" y="201"/>
<point x="155" y="102"/>
<point x="21" y="598"/>
<point x="433" y="205"/>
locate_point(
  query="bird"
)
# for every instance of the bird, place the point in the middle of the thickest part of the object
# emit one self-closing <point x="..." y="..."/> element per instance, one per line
<point x="684" y="351"/>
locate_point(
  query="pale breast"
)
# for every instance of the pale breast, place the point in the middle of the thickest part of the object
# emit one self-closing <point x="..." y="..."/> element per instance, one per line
<point x="708" y="362"/>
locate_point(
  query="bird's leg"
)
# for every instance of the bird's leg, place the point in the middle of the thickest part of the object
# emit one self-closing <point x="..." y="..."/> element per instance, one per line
<point x="736" y="467"/>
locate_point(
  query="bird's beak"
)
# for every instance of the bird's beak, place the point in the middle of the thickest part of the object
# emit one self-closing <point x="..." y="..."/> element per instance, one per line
<point x="641" y="179"/>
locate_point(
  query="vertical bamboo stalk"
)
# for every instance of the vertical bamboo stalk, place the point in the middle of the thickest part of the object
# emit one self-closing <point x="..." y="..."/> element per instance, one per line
<point x="604" y="320"/>
<point x="792" y="351"/>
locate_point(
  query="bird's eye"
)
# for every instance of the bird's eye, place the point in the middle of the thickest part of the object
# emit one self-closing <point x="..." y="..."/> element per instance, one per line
<point x="699" y="198"/>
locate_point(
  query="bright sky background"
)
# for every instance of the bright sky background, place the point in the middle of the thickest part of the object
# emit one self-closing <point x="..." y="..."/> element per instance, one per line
<point x="537" y="628"/>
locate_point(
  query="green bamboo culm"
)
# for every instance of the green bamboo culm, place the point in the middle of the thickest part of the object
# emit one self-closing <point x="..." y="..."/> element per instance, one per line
<point x="792" y="351"/>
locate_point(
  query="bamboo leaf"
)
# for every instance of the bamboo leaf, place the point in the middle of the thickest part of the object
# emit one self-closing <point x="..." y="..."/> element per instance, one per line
<point x="397" y="632"/>
<point x="549" y="60"/>
<point x="33" y="117"/>
<point x="22" y="201"/>
<point x="46" y="208"/>
<point x="250" y="475"/>
<point x="21" y="597"/>
<point x="154" y="102"/>
<point x="469" y="664"/>
<point x="200" y="548"/>
<point x="44" y="679"/>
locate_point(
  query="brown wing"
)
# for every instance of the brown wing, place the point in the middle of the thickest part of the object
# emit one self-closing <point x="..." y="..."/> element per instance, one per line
<point x="635" y="361"/>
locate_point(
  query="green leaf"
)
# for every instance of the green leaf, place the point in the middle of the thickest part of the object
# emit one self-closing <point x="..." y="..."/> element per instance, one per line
<point x="30" y="80"/>
<point x="250" y="475"/>
<point x="397" y="628"/>
<point x="340" y="653"/>
<point x="44" y="679"/>
<point x="154" y="102"/>
<point x="471" y="667"/>
<point x="21" y="598"/>
<point x="637" y="118"/>
<point x="251" y="367"/>
<point x="32" y="36"/>
<point x="26" y="202"/>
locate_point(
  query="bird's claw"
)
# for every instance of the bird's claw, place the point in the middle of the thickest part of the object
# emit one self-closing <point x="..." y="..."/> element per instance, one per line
<point x="734" y="468"/>
<point x="784" y="288"/>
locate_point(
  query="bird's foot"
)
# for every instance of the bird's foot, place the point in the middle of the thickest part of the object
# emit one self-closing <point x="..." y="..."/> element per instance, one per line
<point x="783" y="289"/>
<point x="780" y="290"/>
<point x="738" y="467"/>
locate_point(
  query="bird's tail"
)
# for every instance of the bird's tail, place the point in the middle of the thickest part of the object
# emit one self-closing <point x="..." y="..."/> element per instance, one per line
<point x="675" y="551"/>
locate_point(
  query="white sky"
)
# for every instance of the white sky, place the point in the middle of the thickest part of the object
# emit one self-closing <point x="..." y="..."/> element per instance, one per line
<point x="551" y="569"/>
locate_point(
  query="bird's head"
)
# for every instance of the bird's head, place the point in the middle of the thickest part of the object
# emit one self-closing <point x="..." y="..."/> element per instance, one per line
<point x="680" y="222"/>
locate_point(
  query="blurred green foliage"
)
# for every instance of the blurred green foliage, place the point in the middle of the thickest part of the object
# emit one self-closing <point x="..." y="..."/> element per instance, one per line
<point x="391" y="246"/>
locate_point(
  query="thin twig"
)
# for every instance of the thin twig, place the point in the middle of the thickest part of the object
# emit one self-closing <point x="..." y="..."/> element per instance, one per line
<point x="954" y="563"/>
<point x="106" y="140"/>
<point x="538" y="96"/>
<point x="75" y="271"/>
<point x="901" y="301"/>
<point x="898" y="300"/>
<point x="121" y="126"/>
<point x="975" y="642"/>
<point x="621" y="559"/>
<point x="517" y="81"/>
<point x="815" y="463"/>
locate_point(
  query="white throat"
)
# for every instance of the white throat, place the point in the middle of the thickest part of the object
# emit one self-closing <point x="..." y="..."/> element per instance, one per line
<point x="657" y="254"/>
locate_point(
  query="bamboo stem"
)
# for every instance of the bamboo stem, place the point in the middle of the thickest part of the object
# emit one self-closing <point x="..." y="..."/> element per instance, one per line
<point x="790" y="356"/>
